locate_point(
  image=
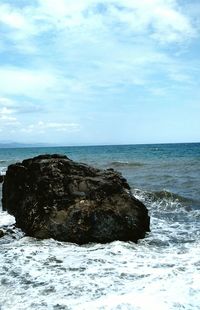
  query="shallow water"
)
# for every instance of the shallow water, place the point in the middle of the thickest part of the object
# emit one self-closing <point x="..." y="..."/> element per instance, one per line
<point x="162" y="271"/>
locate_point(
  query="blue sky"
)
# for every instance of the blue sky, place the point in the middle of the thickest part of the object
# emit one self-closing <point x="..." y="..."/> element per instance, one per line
<point x="99" y="72"/>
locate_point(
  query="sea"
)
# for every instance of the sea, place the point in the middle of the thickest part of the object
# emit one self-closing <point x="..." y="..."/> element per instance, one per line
<point x="162" y="271"/>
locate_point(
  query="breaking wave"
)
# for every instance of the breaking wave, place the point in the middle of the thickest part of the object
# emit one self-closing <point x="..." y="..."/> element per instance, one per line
<point x="125" y="164"/>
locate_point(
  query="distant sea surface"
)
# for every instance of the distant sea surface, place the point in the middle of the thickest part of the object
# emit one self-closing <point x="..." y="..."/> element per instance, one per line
<point x="162" y="270"/>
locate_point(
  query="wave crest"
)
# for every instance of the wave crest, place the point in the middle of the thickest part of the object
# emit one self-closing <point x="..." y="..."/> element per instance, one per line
<point x="118" y="164"/>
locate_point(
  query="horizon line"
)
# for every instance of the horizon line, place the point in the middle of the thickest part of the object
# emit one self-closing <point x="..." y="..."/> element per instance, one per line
<point x="49" y="145"/>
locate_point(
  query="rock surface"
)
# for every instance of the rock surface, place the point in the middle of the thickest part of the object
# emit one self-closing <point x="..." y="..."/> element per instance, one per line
<point x="52" y="196"/>
<point x="1" y="233"/>
<point x="1" y="178"/>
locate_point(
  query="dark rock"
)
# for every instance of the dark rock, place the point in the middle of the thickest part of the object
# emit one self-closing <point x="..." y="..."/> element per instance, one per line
<point x="1" y="178"/>
<point x="52" y="196"/>
<point x="1" y="233"/>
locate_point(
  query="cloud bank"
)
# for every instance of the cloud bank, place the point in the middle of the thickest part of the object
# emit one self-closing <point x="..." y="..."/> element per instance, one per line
<point x="72" y="66"/>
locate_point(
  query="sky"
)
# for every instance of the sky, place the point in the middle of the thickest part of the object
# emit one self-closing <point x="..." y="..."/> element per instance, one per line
<point x="81" y="72"/>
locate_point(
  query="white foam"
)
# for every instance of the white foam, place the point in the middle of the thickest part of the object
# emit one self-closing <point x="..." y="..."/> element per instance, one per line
<point x="2" y="171"/>
<point x="49" y="274"/>
<point x="6" y="219"/>
<point x="160" y="272"/>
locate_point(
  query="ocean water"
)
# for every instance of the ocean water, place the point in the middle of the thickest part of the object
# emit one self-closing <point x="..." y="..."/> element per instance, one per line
<point x="162" y="271"/>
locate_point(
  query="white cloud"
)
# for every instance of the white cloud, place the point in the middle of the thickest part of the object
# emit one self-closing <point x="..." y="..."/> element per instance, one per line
<point x="11" y="18"/>
<point x="86" y="32"/>
<point x="5" y="111"/>
<point x="19" y="29"/>
<point x="163" y="17"/>
<point x="74" y="57"/>
<point x="6" y="102"/>
<point x="180" y="77"/>
<point x="19" y="106"/>
<point x="8" y="120"/>
<point x="59" y="126"/>
<point x="156" y="91"/>
<point x="7" y="117"/>
<point x="42" y="127"/>
<point x="18" y="81"/>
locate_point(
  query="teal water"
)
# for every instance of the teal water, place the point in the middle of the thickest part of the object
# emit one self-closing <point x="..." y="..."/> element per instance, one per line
<point x="162" y="271"/>
<point x="174" y="168"/>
